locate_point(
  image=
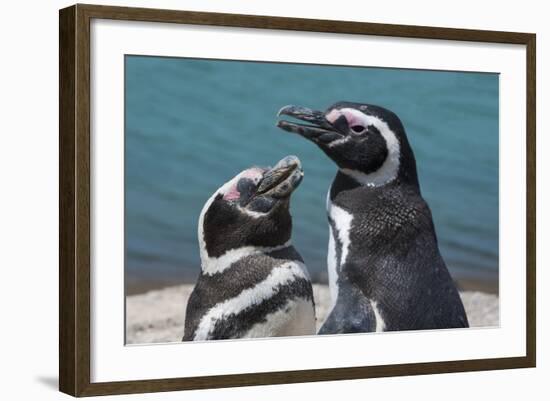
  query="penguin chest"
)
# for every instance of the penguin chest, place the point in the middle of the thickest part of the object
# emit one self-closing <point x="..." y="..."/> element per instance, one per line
<point x="281" y="304"/>
<point x="294" y="314"/>
<point x="295" y="318"/>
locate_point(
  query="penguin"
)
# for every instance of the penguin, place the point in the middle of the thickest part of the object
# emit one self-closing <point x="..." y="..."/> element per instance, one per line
<point x="385" y="270"/>
<point x="253" y="282"/>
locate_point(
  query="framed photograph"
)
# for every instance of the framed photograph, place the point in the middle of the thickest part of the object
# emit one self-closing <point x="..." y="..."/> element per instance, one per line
<point x="250" y="200"/>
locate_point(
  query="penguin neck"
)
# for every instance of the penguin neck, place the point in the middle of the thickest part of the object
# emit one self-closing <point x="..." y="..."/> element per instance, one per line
<point x="213" y="265"/>
<point x="344" y="183"/>
<point x="372" y="180"/>
<point x="349" y="181"/>
<point x="405" y="175"/>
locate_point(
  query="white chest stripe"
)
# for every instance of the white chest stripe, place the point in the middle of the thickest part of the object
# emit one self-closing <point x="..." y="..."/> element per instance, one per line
<point x="380" y="324"/>
<point x="212" y="265"/>
<point x="342" y="220"/>
<point x="331" y="264"/>
<point x="282" y="275"/>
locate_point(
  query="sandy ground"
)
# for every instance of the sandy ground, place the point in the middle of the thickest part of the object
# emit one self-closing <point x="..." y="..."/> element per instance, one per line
<point x="158" y="316"/>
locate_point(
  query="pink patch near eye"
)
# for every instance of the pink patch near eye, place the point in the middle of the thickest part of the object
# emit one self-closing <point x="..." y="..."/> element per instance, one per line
<point x="252" y="173"/>
<point x="350" y="116"/>
<point x="232" y="194"/>
<point x="333" y="115"/>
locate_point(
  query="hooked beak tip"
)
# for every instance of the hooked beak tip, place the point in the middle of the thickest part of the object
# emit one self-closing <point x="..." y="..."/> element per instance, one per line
<point x="283" y="110"/>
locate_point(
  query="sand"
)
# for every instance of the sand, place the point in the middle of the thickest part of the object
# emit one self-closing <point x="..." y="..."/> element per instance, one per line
<point x="159" y="315"/>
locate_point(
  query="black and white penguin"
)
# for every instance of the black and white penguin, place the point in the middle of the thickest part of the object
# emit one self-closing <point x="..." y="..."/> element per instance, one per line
<point x="253" y="282"/>
<point x="385" y="269"/>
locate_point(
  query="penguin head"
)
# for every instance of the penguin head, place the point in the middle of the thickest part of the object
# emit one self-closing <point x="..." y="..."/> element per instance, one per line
<point x="250" y="210"/>
<point x="367" y="142"/>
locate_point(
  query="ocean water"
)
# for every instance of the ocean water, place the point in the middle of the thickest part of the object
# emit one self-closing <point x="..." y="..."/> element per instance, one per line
<point x="191" y="125"/>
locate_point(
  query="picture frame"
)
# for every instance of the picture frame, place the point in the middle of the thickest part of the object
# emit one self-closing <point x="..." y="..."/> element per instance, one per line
<point x="76" y="169"/>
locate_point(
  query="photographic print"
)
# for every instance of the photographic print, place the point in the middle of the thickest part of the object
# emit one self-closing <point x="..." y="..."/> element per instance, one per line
<point x="298" y="200"/>
<point x="271" y="199"/>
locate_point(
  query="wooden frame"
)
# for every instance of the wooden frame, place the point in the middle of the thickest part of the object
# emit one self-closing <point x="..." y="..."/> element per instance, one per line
<point x="74" y="199"/>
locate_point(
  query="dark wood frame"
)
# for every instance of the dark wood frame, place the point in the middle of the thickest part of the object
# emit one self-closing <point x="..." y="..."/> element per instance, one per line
<point x="74" y="199"/>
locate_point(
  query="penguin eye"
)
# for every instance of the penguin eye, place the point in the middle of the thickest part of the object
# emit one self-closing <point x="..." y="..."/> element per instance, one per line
<point x="358" y="129"/>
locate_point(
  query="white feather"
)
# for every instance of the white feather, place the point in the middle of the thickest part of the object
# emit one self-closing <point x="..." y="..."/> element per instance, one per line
<point x="380" y="324"/>
<point x="211" y="265"/>
<point x="342" y="221"/>
<point x="339" y="141"/>
<point x="331" y="264"/>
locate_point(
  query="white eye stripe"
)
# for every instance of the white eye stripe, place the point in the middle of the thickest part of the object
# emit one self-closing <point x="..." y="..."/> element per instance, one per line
<point x="389" y="169"/>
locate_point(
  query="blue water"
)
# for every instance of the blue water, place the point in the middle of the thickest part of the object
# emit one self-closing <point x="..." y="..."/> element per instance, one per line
<point x="193" y="124"/>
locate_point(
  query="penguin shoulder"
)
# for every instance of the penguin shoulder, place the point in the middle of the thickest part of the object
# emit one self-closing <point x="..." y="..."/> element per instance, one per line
<point x="245" y="273"/>
<point x="382" y="213"/>
<point x="403" y="206"/>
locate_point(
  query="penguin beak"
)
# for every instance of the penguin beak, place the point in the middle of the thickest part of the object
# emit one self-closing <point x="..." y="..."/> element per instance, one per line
<point x="281" y="180"/>
<point x="318" y="129"/>
<point x="273" y="188"/>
